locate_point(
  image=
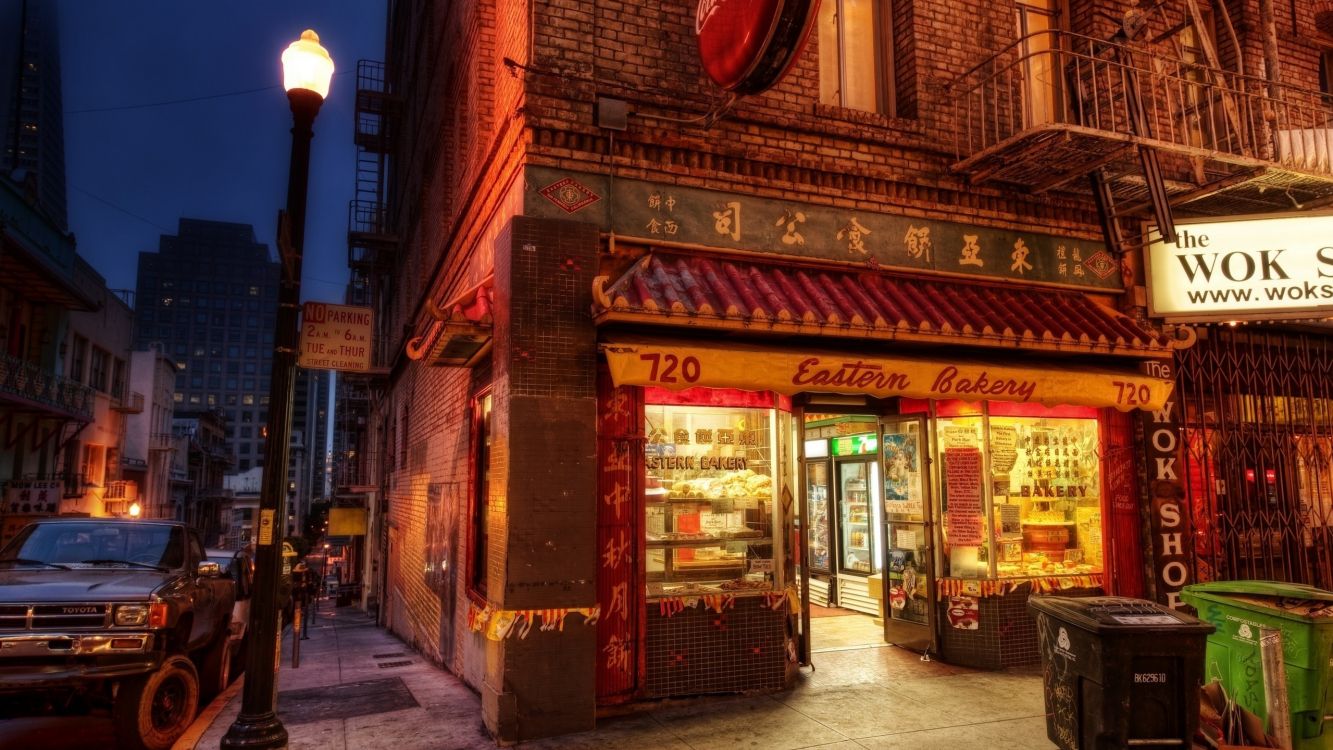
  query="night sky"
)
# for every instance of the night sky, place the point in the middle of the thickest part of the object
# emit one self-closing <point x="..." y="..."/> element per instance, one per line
<point x="134" y="170"/>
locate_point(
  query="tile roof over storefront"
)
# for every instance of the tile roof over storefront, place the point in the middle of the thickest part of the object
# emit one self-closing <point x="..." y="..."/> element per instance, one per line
<point x="718" y="292"/>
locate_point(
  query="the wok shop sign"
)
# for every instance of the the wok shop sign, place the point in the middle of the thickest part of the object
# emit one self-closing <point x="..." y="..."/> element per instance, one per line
<point x="747" y="46"/>
<point x="1251" y="268"/>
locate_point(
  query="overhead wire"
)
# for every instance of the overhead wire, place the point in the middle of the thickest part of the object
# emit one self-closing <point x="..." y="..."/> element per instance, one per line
<point x="185" y="100"/>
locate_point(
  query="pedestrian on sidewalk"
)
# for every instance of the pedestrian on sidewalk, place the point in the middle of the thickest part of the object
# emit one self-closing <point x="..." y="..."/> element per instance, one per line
<point x="303" y="591"/>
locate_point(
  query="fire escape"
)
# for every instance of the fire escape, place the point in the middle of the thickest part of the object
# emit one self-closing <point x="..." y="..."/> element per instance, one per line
<point x="1150" y="126"/>
<point x="372" y="244"/>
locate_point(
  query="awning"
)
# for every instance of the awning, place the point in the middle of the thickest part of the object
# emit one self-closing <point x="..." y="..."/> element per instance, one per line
<point x="727" y="293"/>
<point x="679" y="365"/>
<point x="457" y="333"/>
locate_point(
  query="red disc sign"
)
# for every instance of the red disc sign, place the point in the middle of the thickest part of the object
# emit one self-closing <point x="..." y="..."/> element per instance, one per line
<point x="746" y="46"/>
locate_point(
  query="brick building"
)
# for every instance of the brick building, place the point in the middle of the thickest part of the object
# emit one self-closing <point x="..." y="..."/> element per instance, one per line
<point x="627" y="316"/>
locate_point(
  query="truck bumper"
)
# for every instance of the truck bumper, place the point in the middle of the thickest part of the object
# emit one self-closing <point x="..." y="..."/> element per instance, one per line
<point x="53" y="661"/>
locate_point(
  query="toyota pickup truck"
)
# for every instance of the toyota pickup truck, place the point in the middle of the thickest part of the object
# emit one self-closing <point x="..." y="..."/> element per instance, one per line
<point x="122" y="613"/>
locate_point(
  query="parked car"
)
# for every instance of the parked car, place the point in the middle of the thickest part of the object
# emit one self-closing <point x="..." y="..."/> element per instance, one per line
<point x="239" y="567"/>
<point x="120" y="612"/>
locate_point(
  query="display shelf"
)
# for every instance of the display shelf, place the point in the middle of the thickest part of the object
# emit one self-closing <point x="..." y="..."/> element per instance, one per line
<point x="706" y="500"/>
<point x="711" y="542"/>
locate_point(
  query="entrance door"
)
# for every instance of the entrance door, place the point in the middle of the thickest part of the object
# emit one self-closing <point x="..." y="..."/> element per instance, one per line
<point x="909" y="562"/>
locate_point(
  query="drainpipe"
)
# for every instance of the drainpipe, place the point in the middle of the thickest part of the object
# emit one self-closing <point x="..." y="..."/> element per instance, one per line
<point x="1268" y="22"/>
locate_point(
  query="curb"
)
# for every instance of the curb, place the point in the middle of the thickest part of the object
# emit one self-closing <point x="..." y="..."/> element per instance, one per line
<point x="205" y="719"/>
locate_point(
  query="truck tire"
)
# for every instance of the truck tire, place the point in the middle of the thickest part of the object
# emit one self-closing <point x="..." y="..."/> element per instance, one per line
<point x="152" y="712"/>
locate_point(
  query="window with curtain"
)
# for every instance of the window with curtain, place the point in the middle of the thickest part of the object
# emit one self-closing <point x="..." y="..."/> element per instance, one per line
<point x="856" y="55"/>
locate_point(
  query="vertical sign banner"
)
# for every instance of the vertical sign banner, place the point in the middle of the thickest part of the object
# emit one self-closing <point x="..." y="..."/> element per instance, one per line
<point x="1168" y="519"/>
<point x="620" y="538"/>
<point x="336" y="337"/>
<point x="962" y="481"/>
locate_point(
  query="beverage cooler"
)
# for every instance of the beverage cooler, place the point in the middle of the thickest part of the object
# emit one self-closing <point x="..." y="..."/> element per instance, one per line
<point x="859" y="534"/>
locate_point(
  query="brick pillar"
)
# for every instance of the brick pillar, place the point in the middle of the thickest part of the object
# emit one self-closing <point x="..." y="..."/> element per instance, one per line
<point x="543" y="555"/>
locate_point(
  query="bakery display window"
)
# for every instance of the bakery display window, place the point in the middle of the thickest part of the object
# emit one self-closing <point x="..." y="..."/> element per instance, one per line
<point x="708" y="501"/>
<point x="1020" y="490"/>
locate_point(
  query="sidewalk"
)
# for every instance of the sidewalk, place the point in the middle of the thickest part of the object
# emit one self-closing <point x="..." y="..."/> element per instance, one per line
<point x="359" y="688"/>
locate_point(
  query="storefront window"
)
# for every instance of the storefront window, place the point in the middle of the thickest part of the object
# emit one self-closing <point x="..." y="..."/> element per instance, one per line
<point x="1040" y="512"/>
<point x="709" y="511"/>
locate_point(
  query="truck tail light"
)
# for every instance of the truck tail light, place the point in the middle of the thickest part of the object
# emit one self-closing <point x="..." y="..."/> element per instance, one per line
<point x="157" y="615"/>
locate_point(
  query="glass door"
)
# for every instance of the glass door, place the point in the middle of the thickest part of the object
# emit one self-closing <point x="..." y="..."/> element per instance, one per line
<point x="818" y="493"/>
<point x="856" y="535"/>
<point x="909" y="582"/>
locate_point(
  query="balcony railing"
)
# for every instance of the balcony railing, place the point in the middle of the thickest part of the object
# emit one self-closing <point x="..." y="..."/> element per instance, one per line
<point x="1055" y="106"/>
<point x="131" y="403"/>
<point x="31" y="382"/>
<point x="121" y="490"/>
<point x="160" y="441"/>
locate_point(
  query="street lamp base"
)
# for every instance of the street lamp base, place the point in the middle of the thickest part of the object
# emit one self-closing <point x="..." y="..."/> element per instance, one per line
<point x="259" y="732"/>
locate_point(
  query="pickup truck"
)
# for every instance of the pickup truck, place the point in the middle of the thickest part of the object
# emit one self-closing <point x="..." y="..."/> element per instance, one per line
<point x="123" y="613"/>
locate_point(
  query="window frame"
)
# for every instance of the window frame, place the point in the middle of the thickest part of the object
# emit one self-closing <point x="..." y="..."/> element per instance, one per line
<point x="480" y="434"/>
<point x="886" y="83"/>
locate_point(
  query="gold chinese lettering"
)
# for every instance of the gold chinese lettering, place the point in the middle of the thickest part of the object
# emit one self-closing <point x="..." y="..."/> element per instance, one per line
<point x="854" y="234"/>
<point x="791" y="219"/>
<point x="618" y="496"/>
<point x="971" y="252"/>
<point x="727" y="220"/>
<point x="616" y="552"/>
<point x="917" y="242"/>
<point x="1020" y="257"/>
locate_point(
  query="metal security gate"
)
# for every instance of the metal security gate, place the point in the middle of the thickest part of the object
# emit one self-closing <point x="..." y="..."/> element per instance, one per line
<point x="1257" y="453"/>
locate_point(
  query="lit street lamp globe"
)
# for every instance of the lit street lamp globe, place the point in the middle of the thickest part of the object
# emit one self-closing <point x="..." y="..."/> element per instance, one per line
<point x="307" y="65"/>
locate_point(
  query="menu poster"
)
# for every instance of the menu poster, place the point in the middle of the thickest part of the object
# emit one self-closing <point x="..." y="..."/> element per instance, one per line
<point x="1003" y="448"/>
<point x="962" y="481"/>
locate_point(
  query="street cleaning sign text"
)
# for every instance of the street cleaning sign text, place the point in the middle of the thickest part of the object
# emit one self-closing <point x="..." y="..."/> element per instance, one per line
<point x="335" y="337"/>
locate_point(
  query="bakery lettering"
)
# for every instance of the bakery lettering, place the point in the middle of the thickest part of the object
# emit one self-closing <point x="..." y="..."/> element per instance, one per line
<point x="723" y="463"/>
<point x="1078" y="490"/>
<point x="858" y="374"/>
<point x="948" y="382"/>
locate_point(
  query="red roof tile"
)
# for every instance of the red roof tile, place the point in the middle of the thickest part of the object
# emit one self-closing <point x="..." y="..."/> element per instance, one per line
<point x="672" y="289"/>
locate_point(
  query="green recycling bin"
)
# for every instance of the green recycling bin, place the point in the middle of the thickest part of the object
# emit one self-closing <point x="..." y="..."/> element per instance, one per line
<point x="1304" y="615"/>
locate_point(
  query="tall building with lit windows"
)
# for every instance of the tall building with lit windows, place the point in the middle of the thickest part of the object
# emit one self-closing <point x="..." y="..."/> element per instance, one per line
<point x="208" y="296"/>
<point x="32" y="152"/>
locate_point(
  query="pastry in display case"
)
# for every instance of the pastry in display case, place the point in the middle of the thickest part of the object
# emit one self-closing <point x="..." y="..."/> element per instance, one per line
<point x="708" y="501"/>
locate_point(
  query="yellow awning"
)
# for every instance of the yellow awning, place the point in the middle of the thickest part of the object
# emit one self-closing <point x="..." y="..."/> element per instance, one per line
<point x="679" y="365"/>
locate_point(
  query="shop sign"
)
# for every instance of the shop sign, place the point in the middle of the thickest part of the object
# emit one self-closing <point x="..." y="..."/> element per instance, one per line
<point x="660" y="212"/>
<point x="1254" y="268"/>
<point x="747" y="46"/>
<point x="336" y="337"/>
<point x="685" y="365"/>
<point x="33" y="495"/>
<point x="1167" y="520"/>
<point x="855" y="445"/>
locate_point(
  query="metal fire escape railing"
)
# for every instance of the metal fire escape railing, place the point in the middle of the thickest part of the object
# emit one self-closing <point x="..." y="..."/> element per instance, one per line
<point x="1054" y="107"/>
<point x="370" y="236"/>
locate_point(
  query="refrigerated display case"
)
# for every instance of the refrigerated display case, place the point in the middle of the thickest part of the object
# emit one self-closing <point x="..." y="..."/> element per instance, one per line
<point x="858" y="513"/>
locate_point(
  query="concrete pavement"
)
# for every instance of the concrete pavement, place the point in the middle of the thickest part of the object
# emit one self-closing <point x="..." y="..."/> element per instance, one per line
<point x="360" y="688"/>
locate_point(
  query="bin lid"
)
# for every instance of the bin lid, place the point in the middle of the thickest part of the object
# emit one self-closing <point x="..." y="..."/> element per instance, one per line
<point x="1294" y="599"/>
<point x="1108" y="614"/>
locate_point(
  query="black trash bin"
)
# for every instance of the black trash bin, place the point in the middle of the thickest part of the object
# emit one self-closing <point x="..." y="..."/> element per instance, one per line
<point x="1119" y="672"/>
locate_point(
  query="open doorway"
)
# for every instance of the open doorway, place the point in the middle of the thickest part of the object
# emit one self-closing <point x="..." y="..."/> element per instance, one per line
<point x="844" y="501"/>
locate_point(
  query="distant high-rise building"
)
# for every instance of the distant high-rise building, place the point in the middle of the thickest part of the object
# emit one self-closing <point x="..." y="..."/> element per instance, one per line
<point x="33" y="150"/>
<point x="209" y="297"/>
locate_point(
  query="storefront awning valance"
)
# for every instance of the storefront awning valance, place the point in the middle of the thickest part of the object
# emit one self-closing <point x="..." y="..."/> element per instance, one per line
<point x="457" y="332"/>
<point x="757" y="296"/>
<point x="678" y="365"/>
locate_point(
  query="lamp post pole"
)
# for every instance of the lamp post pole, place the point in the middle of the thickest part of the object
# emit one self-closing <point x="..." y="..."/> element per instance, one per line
<point x="258" y="725"/>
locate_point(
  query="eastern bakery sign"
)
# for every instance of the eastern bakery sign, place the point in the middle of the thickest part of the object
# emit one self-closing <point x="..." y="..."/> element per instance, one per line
<point x="747" y="46"/>
<point x="686" y="365"/>
<point x="1259" y="268"/>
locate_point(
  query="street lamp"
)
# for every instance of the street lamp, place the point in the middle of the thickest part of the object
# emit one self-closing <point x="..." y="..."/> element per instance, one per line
<point x="307" y="69"/>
